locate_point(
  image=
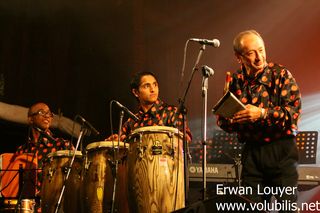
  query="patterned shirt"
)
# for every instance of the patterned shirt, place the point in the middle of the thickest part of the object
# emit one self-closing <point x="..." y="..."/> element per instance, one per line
<point x="160" y="114"/>
<point x="42" y="148"/>
<point x="274" y="89"/>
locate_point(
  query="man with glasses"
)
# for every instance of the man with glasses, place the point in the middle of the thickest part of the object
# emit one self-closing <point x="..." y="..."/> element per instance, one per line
<point x="40" y="139"/>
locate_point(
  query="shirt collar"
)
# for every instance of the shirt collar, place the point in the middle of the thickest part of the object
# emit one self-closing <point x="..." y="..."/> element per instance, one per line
<point x="40" y="136"/>
<point x="156" y="106"/>
<point x="264" y="77"/>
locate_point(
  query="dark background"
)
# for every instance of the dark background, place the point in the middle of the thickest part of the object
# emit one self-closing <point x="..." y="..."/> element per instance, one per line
<point x="78" y="55"/>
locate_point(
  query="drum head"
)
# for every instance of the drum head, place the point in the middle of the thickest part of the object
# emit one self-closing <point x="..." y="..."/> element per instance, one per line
<point x="107" y="144"/>
<point x="64" y="153"/>
<point x="161" y="129"/>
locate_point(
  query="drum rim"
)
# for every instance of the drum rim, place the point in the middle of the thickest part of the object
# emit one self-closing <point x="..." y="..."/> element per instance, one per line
<point x="64" y="153"/>
<point x="156" y="129"/>
<point x="105" y="144"/>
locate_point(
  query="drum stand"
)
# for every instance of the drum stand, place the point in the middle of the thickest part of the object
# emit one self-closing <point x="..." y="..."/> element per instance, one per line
<point x="115" y="162"/>
<point x="69" y="170"/>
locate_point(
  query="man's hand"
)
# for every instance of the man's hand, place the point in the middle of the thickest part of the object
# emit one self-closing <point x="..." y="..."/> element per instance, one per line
<point x="250" y="114"/>
<point x="115" y="137"/>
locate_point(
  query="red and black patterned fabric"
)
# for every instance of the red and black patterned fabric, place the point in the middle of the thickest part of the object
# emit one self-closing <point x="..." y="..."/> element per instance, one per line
<point x="274" y="89"/>
<point x="41" y="149"/>
<point x="160" y="114"/>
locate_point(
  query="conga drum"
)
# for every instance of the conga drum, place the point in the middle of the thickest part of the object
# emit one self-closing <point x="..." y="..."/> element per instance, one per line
<point x="155" y="165"/>
<point x="98" y="177"/>
<point x="54" y="174"/>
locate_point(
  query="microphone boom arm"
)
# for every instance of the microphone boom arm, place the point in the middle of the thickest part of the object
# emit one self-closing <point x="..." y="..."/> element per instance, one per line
<point x="85" y="122"/>
<point x="182" y="110"/>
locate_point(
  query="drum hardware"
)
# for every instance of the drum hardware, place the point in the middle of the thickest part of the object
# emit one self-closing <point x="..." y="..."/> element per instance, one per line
<point x="189" y="156"/>
<point x="156" y="148"/>
<point x="112" y="165"/>
<point x="124" y="158"/>
<point x="171" y="134"/>
<point x="170" y="152"/>
<point x="77" y="171"/>
<point x="65" y="169"/>
<point x="140" y="149"/>
<point x="51" y="173"/>
<point x="87" y="164"/>
<point x="114" y="150"/>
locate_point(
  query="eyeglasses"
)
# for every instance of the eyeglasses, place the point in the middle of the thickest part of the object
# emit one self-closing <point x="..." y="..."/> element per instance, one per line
<point x="43" y="113"/>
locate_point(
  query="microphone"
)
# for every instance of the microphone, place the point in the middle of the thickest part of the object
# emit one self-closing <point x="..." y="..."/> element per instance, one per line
<point x="131" y="115"/>
<point x="44" y="134"/>
<point x="84" y="121"/>
<point x="207" y="71"/>
<point x="214" y="42"/>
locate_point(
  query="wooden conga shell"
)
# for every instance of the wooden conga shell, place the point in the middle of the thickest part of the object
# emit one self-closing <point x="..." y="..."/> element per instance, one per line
<point x="98" y="179"/>
<point x="156" y="169"/>
<point x="54" y="174"/>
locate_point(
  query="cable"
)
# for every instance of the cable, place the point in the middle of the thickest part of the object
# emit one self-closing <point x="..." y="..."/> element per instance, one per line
<point x="6" y="186"/>
<point x="110" y="112"/>
<point x="183" y="66"/>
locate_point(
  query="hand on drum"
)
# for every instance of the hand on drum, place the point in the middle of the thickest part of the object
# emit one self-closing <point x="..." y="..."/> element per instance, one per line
<point x="115" y="137"/>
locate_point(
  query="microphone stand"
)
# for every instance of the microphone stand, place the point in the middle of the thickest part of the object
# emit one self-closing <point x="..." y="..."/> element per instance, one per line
<point x="183" y="110"/>
<point x="115" y="165"/>
<point x="21" y="171"/>
<point x="204" y="140"/>
<point x="69" y="170"/>
<point x="237" y="167"/>
<point x="237" y="163"/>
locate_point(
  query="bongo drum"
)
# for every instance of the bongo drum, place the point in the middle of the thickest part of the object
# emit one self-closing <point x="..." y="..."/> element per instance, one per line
<point x="98" y="178"/>
<point x="155" y="165"/>
<point x="54" y="174"/>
